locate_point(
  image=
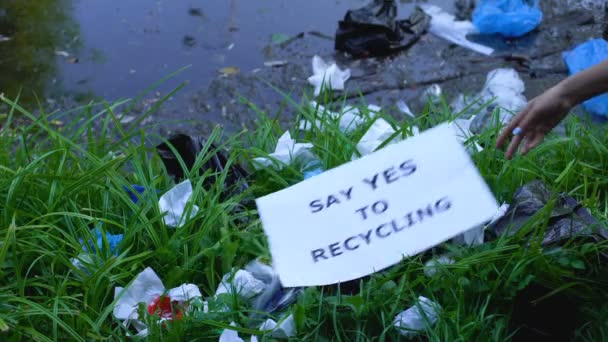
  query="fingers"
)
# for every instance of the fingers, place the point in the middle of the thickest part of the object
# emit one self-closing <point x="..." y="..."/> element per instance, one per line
<point x="513" y="146"/>
<point x="508" y="130"/>
<point x="532" y="142"/>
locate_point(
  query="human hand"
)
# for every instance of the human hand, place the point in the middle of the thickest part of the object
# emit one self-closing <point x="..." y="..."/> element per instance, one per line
<point x="535" y="121"/>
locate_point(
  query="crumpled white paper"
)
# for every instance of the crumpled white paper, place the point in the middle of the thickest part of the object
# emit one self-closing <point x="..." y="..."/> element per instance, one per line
<point x="404" y="108"/>
<point x="284" y="330"/>
<point x="444" y="25"/>
<point x="229" y="335"/>
<point x="174" y="201"/>
<point x="329" y="75"/>
<point x="475" y="236"/>
<point x="435" y="265"/>
<point x="416" y="318"/>
<point x="243" y="284"/>
<point x="287" y="150"/>
<point x="375" y="136"/>
<point x="507" y="88"/>
<point x="350" y="118"/>
<point x="146" y="288"/>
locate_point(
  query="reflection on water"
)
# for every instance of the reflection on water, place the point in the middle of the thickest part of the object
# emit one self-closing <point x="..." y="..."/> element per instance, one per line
<point x="129" y="45"/>
<point x="27" y="57"/>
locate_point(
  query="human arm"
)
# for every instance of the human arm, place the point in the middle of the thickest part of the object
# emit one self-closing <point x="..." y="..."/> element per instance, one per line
<point x="544" y="112"/>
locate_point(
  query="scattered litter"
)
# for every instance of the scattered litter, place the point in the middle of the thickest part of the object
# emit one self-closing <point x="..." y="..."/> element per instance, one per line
<point x="147" y="288"/>
<point x="374" y="31"/>
<point x="229" y="335"/>
<point x="72" y="60"/>
<point x="243" y="283"/>
<point x="174" y="202"/>
<point x="284" y="330"/>
<point x="583" y="57"/>
<point x="274" y="297"/>
<point x="405" y="109"/>
<point x="327" y="76"/>
<point x="312" y="173"/>
<point x="138" y="188"/>
<point x="4" y="38"/>
<point x="275" y="63"/>
<point x="132" y="71"/>
<point x="230" y="70"/>
<point x="189" y="148"/>
<point x="279" y="38"/>
<point x="417" y="317"/>
<point x="376" y="135"/>
<point x="432" y="93"/>
<point x="85" y="262"/>
<point x="475" y="236"/>
<point x="349" y="120"/>
<point x="287" y="150"/>
<point x="230" y="47"/>
<point x="58" y="123"/>
<point x="568" y="218"/>
<point x="62" y="53"/>
<point x="509" y="18"/>
<point x="463" y="132"/>
<point x="113" y="240"/>
<point x="127" y="119"/>
<point x="503" y="90"/>
<point x="435" y="265"/>
<point x="445" y="26"/>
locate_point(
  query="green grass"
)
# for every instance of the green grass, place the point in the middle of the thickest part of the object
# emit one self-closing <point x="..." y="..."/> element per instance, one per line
<point x="58" y="182"/>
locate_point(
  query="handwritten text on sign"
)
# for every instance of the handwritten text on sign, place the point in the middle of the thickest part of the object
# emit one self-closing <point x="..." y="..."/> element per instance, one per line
<point x="367" y="215"/>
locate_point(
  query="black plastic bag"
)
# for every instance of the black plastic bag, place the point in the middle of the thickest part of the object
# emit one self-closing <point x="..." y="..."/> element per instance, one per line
<point x="189" y="148"/>
<point x="568" y="218"/>
<point x="374" y="31"/>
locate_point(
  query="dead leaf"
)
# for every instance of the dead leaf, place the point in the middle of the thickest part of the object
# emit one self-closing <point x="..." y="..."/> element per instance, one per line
<point x="229" y="70"/>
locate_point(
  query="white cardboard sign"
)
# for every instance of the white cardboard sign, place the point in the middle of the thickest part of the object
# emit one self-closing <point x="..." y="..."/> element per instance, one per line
<point x="369" y="214"/>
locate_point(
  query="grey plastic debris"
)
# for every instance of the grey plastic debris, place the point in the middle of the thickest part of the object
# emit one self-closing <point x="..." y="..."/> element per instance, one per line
<point x="475" y="236"/>
<point x="243" y="283"/>
<point x="506" y="89"/>
<point x="432" y="93"/>
<point x="424" y="313"/>
<point x="404" y="108"/>
<point x="434" y="266"/>
<point x="274" y="297"/>
<point x="284" y="330"/>
<point x="568" y="218"/>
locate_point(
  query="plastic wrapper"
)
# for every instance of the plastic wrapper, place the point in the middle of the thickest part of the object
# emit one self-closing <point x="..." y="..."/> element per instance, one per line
<point x="424" y="313"/>
<point x="189" y="148"/>
<point x="509" y="18"/>
<point x="444" y="25"/>
<point x="568" y="218"/>
<point x="583" y="57"/>
<point x="373" y="30"/>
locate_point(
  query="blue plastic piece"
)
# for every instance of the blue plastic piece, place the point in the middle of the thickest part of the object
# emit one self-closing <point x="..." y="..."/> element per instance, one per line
<point x="312" y="173"/>
<point x="140" y="189"/>
<point x="509" y="18"/>
<point x="583" y="57"/>
<point x="113" y="241"/>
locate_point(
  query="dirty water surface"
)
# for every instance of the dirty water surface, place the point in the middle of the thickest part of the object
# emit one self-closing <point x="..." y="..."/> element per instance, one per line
<point x="71" y="51"/>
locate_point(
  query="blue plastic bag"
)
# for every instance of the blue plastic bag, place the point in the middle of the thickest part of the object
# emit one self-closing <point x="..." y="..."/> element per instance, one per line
<point x="509" y="18"/>
<point x="583" y="57"/>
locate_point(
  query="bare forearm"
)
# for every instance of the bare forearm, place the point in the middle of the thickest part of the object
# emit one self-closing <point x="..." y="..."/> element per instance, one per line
<point x="585" y="85"/>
